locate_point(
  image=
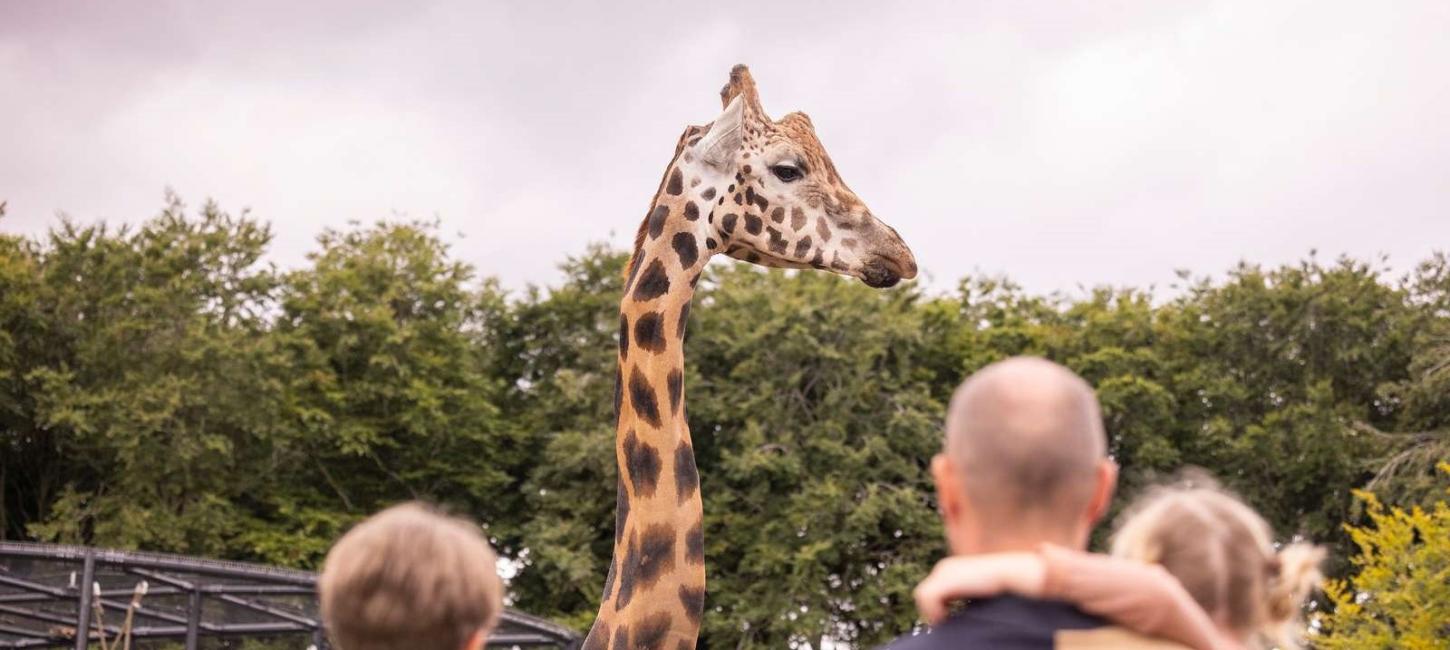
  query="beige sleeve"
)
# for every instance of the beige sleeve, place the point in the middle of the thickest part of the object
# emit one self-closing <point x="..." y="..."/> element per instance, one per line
<point x="1141" y="597"/>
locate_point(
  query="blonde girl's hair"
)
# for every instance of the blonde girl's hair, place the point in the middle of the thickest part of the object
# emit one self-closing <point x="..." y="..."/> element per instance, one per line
<point x="1223" y="552"/>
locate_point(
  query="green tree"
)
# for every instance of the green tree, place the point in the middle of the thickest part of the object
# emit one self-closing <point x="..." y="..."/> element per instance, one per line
<point x="789" y="378"/>
<point x="813" y="421"/>
<point x="1399" y="595"/>
<point x="1406" y="474"/>
<point x="162" y="388"/>
<point x="385" y="399"/>
<point x="148" y="398"/>
<point x="27" y="479"/>
<point x="1274" y="371"/>
<point x="555" y="353"/>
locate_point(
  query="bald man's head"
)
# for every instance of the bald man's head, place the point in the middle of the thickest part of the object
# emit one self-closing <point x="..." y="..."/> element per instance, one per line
<point x="1026" y="438"/>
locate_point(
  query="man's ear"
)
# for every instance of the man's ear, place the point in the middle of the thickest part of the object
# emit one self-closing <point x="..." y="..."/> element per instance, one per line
<point x="1107" y="484"/>
<point x="950" y="497"/>
<point x="719" y="146"/>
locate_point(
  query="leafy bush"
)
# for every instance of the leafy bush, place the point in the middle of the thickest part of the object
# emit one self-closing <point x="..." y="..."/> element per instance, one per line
<point x="1399" y="595"/>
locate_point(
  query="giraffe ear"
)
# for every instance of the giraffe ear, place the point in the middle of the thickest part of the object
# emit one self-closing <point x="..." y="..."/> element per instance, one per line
<point x="719" y="146"/>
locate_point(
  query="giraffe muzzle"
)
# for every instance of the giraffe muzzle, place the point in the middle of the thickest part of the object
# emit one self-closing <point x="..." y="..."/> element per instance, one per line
<point x="877" y="276"/>
<point x="887" y="268"/>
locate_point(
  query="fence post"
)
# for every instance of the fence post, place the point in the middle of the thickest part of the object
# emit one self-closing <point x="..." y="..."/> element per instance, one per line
<point x="83" y="617"/>
<point x="193" y="618"/>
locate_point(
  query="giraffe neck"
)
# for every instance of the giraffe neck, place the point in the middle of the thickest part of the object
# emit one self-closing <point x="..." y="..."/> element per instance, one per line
<point x="655" y="591"/>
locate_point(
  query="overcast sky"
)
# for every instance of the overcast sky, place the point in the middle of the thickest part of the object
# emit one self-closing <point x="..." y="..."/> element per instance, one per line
<point x="1063" y="144"/>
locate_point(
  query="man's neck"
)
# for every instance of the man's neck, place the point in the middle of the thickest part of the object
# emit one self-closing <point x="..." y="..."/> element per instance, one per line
<point x="985" y="540"/>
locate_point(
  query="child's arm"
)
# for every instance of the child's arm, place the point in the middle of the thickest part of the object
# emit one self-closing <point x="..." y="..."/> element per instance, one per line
<point x="1141" y="597"/>
<point x="959" y="577"/>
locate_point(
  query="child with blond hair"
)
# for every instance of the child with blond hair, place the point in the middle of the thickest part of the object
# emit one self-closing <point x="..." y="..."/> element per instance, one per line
<point x="1189" y="563"/>
<point x="410" y="577"/>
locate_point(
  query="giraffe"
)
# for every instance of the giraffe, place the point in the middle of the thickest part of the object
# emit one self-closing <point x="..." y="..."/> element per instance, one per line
<point x="756" y="190"/>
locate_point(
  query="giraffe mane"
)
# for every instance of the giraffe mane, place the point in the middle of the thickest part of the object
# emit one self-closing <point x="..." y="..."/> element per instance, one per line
<point x="638" y="250"/>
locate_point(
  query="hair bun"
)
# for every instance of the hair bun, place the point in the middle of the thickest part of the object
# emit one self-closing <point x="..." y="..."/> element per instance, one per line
<point x="1294" y="573"/>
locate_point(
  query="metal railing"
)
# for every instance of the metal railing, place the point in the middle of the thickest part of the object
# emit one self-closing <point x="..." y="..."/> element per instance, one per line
<point x="54" y="596"/>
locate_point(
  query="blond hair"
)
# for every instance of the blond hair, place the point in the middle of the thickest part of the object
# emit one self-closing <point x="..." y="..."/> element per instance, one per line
<point x="1223" y="553"/>
<point x="409" y="577"/>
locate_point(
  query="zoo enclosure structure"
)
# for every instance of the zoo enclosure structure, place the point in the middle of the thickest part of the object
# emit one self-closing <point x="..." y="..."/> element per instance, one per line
<point x="48" y="599"/>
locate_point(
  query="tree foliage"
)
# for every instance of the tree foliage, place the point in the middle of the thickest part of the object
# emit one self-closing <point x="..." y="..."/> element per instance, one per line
<point x="163" y="388"/>
<point x="1399" y="596"/>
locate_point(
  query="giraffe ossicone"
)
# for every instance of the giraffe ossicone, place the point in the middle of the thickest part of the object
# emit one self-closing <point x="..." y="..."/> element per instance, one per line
<point x="756" y="190"/>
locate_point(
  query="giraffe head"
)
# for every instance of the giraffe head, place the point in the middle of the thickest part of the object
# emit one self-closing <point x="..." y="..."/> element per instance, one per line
<point x="777" y="200"/>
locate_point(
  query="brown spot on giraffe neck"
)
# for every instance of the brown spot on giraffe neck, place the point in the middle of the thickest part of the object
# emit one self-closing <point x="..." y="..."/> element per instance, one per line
<point x="621" y="517"/>
<point x="687" y="475"/>
<point x="653" y="283"/>
<point x="657" y="218"/>
<point x="649" y="332"/>
<point x="676" y="184"/>
<point x="652" y="632"/>
<point x="618" y="394"/>
<point x="623" y="336"/>
<point x="692" y="600"/>
<point x="642" y="398"/>
<point x="676" y="382"/>
<point x="650" y="555"/>
<point x="687" y="248"/>
<point x="695" y="543"/>
<point x="643" y="462"/>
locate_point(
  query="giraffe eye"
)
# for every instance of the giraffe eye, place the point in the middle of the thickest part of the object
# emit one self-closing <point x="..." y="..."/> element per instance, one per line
<point x="786" y="173"/>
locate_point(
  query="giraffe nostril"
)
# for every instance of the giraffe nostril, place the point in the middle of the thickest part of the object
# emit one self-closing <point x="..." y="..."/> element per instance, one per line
<point x="877" y="276"/>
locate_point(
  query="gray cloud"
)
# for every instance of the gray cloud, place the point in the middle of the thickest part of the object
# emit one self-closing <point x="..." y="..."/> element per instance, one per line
<point x="1063" y="146"/>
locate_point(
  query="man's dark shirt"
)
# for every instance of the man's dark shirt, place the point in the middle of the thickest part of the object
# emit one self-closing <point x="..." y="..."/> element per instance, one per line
<point x="1005" y="623"/>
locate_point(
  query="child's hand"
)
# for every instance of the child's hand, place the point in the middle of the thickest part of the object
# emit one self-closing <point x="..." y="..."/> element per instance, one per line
<point x="959" y="577"/>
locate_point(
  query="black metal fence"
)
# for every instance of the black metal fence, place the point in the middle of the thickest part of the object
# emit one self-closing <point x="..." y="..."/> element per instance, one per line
<point x="55" y="596"/>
